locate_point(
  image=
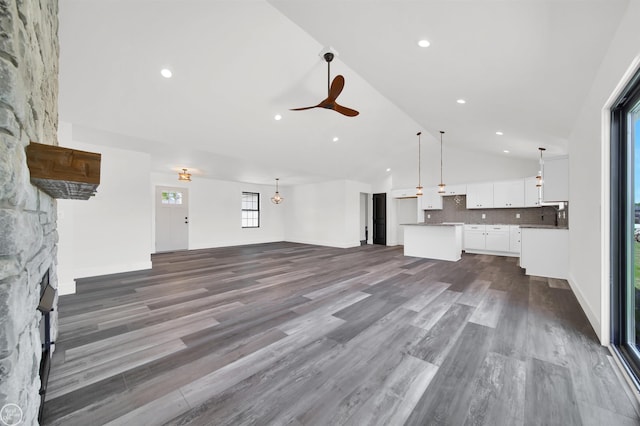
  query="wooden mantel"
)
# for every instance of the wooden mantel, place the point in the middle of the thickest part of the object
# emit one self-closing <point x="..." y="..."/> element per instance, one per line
<point x="63" y="172"/>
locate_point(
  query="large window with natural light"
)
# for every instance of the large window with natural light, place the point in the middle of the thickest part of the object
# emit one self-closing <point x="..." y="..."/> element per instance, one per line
<point x="625" y="226"/>
<point x="250" y="210"/>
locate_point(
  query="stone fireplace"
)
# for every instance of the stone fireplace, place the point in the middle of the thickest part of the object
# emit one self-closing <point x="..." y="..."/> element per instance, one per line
<point x="28" y="237"/>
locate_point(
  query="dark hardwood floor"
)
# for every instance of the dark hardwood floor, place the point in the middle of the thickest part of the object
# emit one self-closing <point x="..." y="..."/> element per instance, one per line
<point x="289" y="333"/>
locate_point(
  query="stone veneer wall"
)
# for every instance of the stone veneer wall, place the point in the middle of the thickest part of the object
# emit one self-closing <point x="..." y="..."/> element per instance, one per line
<point x="28" y="112"/>
<point x="458" y="212"/>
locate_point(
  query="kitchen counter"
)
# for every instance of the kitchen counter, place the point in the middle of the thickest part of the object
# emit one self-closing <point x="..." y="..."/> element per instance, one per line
<point x="430" y="224"/>
<point x="442" y="241"/>
<point x="543" y="227"/>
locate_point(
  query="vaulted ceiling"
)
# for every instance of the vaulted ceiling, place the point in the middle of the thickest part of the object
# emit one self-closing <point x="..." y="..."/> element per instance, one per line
<point x="523" y="67"/>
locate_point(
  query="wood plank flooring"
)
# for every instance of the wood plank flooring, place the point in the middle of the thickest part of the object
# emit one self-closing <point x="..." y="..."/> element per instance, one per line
<point x="287" y="333"/>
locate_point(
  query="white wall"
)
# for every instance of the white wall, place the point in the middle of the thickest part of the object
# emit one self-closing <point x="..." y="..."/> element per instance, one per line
<point x="461" y="166"/>
<point x="588" y="179"/>
<point x="110" y="232"/>
<point x="326" y="213"/>
<point x="406" y="212"/>
<point x="364" y="216"/>
<point x="214" y="212"/>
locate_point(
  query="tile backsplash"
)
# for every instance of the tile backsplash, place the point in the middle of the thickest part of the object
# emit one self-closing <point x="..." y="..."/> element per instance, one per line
<point x="454" y="209"/>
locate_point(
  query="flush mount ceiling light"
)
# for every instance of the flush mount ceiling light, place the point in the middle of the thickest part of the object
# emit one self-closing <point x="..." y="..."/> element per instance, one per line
<point x="506" y="151"/>
<point x="499" y="133"/>
<point x="277" y="199"/>
<point x="166" y="73"/>
<point x="424" y="43"/>
<point x="336" y="139"/>
<point x="419" y="187"/>
<point x="388" y="169"/>
<point x="184" y="176"/>
<point x="461" y="101"/>
<point x="441" y="185"/>
<point x="278" y="117"/>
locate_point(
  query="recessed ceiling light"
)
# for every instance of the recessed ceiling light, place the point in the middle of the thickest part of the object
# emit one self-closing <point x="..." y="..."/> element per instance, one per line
<point x="461" y="101"/>
<point x="278" y="117"/>
<point x="424" y="43"/>
<point x="499" y="133"/>
<point x="506" y="151"/>
<point x="336" y="139"/>
<point x="166" y="72"/>
<point x="388" y="169"/>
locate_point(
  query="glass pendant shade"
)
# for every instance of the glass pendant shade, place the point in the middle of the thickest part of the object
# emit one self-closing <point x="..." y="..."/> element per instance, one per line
<point x="277" y="198"/>
<point x="184" y="176"/>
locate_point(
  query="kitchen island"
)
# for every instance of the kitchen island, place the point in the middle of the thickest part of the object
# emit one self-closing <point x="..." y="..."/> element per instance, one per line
<point x="442" y="241"/>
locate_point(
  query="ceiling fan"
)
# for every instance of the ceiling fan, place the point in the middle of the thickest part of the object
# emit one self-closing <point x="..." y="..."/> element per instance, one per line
<point x="334" y="91"/>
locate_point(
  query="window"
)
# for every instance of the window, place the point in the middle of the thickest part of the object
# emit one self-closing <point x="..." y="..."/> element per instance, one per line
<point x="170" y="197"/>
<point x="625" y="226"/>
<point x="250" y="210"/>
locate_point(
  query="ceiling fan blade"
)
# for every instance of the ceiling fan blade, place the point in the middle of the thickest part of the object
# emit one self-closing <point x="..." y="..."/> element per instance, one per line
<point x="336" y="87"/>
<point x="302" y="109"/>
<point x="345" y="111"/>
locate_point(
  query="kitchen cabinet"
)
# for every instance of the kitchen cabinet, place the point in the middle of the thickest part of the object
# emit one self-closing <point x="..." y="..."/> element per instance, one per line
<point x="508" y="193"/>
<point x="480" y="195"/>
<point x="497" y="238"/>
<point x="474" y="238"/>
<point x="556" y="179"/>
<point x="514" y="239"/>
<point x="455" y="190"/>
<point x="431" y="200"/>
<point x="531" y="192"/>
<point x="404" y="193"/>
<point x="487" y="239"/>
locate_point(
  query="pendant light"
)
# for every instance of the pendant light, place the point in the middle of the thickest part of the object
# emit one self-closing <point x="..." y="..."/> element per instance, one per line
<point x="441" y="185"/>
<point x="277" y="199"/>
<point x="539" y="178"/>
<point x="419" y="187"/>
<point x="184" y="176"/>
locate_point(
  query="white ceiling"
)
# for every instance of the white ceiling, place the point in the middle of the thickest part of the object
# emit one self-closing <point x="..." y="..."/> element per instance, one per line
<point x="524" y="68"/>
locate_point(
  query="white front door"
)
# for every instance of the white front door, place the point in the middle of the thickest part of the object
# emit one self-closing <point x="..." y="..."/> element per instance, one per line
<point x="172" y="219"/>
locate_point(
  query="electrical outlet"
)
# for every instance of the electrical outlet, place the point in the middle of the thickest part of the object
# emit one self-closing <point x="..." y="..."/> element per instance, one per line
<point x="484" y="216"/>
<point x="517" y="215"/>
<point x="428" y="216"/>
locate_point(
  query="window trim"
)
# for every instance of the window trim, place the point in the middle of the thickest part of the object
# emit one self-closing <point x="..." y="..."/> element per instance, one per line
<point x="621" y="227"/>
<point x="257" y="209"/>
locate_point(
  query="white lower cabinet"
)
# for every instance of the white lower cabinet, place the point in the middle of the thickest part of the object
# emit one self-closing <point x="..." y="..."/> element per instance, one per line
<point x="514" y="239"/>
<point x="474" y="238"/>
<point x="489" y="239"/>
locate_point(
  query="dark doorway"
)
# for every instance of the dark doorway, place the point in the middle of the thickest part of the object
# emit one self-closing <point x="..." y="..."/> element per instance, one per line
<point x="380" y="219"/>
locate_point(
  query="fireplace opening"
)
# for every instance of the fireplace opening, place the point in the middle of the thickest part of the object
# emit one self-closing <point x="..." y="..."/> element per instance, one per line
<point x="45" y="306"/>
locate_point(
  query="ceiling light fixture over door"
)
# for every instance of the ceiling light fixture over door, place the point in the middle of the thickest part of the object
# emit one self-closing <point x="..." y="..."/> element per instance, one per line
<point x="441" y="185"/>
<point x="419" y="187"/>
<point x="184" y="176"/>
<point x="277" y="199"/>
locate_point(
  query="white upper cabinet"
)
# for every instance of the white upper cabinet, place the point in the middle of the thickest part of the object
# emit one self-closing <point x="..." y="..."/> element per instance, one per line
<point x="404" y="193"/>
<point x="431" y="200"/>
<point x="455" y="190"/>
<point x="556" y="180"/>
<point x="531" y="192"/>
<point x="508" y="193"/>
<point x="480" y="195"/>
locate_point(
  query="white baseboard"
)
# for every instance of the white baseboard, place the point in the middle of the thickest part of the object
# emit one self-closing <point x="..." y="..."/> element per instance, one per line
<point x="324" y="243"/>
<point x="588" y="310"/>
